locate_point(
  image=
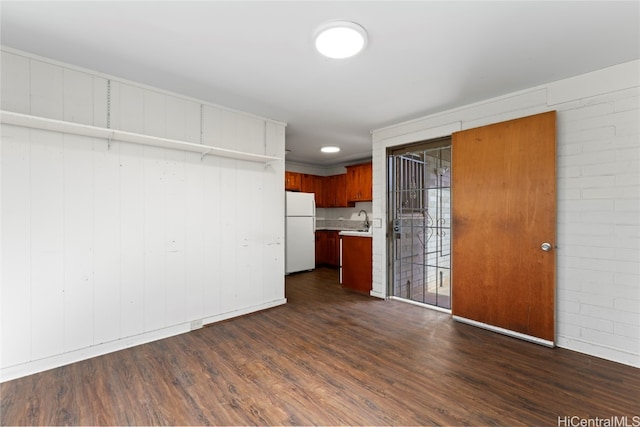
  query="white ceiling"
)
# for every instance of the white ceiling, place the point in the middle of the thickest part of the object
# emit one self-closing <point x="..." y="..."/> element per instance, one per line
<point x="422" y="57"/>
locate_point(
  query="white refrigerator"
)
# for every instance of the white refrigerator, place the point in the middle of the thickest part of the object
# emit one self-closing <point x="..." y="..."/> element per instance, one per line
<point x="300" y="226"/>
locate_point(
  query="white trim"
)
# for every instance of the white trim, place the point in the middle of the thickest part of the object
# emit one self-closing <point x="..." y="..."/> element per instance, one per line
<point x="629" y="67"/>
<point x="377" y="294"/>
<point x="243" y="311"/>
<point x="35" y="366"/>
<point x="42" y="123"/>
<point x="503" y="331"/>
<point x="421" y="135"/>
<point x="421" y="304"/>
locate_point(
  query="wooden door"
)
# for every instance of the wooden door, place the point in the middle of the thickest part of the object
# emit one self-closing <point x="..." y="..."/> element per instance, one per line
<point x="504" y="209"/>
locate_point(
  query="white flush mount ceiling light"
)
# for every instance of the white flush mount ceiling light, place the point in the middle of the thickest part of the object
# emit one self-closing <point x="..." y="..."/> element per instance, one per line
<point x="330" y="149"/>
<point x="340" y="39"/>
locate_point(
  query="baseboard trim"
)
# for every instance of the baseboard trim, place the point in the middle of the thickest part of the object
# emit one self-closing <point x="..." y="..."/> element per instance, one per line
<point x="423" y="305"/>
<point x="32" y="367"/>
<point x="503" y="331"/>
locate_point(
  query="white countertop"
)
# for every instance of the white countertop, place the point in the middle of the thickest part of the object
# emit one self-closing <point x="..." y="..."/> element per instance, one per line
<point x="356" y="233"/>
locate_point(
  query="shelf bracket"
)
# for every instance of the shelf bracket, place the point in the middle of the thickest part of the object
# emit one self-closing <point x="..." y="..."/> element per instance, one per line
<point x="203" y="154"/>
<point x="109" y="141"/>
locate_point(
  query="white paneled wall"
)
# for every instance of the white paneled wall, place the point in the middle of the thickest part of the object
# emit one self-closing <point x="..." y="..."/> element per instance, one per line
<point x="598" y="254"/>
<point x="104" y="245"/>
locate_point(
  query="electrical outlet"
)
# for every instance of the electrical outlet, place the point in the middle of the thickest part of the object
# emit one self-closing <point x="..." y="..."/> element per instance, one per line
<point x="196" y="324"/>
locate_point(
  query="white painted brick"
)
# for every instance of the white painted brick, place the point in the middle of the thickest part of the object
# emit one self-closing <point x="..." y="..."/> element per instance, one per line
<point x="565" y="217"/>
<point x="596" y="123"/>
<point x="628" y="218"/>
<point x="629" y="103"/>
<point x="505" y="116"/>
<point x="589" y="229"/>
<point x="609" y="241"/>
<point x="602" y="265"/>
<point x="612" y="96"/>
<point x="571" y="105"/>
<point x="628" y="128"/>
<point x="628" y="280"/>
<point x="632" y="255"/>
<point x="580" y="276"/>
<point x="601" y="145"/>
<point x="569" y="306"/>
<point x="596" y="299"/>
<point x="610" y="340"/>
<point x="630" y="331"/>
<point x="567" y="329"/>
<point x="569" y="193"/>
<point x="592" y="323"/>
<point x="588" y="251"/>
<point x="631" y="178"/>
<point x="566" y="293"/>
<point x="608" y="287"/>
<point x="569" y="172"/>
<point x="613" y="143"/>
<point x="627" y="230"/>
<point x="569" y="318"/>
<point x="610" y="193"/>
<point x="628" y="304"/>
<point x="588" y="182"/>
<point x="616" y="167"/>
<point x="589" y="158"/>
<point x="569" y="137"/>
<point x="587" y="111"/>
<point x="609" y="313"/>
<point x="569" y="149"/>
<point x="627" y="154"/>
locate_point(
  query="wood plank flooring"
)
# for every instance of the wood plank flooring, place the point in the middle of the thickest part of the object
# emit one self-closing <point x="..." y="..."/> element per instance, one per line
<point x="328" y="357"/>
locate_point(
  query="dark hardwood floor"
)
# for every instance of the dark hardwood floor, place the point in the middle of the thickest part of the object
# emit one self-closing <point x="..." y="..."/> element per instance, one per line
<point x="329" y="357"/>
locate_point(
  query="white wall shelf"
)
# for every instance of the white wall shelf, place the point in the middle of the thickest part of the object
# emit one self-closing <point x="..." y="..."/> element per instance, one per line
<point x="42" y="123"/>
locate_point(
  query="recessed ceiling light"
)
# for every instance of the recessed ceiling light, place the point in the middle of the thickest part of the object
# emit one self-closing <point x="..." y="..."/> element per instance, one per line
<point x="330" y="149"/>
<point x="340" y="39"/>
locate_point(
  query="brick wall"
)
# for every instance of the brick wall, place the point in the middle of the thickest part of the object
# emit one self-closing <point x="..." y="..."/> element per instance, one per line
<point x="598" y="268"/>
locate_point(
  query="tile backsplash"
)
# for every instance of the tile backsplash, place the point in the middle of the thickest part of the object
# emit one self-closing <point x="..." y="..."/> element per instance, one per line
<point x="342" y="218"/>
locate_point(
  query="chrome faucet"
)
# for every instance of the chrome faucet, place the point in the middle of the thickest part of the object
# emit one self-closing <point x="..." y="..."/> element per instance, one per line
<point x="366" y="218"/>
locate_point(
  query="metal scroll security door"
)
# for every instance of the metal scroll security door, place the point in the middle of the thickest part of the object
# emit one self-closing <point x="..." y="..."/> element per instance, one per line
<point x="420" y="218"/>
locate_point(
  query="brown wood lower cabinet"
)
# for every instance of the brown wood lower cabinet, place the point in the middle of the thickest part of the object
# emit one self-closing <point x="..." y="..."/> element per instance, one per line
<point x="327" y="248"/>
<point x="357" y="271"/>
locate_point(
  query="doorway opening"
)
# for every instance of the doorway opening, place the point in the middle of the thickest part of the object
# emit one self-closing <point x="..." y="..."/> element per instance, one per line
<point x="419" y="197"/>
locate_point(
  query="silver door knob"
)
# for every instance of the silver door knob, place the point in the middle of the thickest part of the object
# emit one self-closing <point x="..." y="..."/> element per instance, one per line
<point x="546" y="247"/>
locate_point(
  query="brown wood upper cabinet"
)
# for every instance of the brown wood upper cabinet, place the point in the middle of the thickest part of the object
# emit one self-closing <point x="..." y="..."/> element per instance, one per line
<point x="292" y="181"/>
<point x="310" y="184"/>
<point x="334" y="192"/>
<point x="359" y="186"/>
